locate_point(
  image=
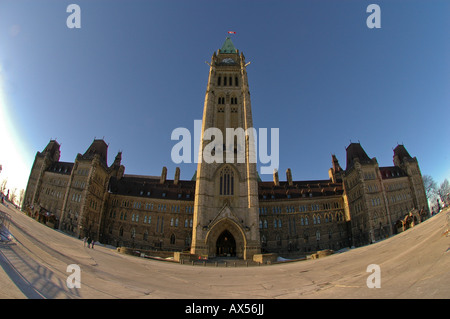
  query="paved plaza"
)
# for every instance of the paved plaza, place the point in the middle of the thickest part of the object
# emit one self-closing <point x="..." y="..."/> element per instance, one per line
<point x="413" y="264"/>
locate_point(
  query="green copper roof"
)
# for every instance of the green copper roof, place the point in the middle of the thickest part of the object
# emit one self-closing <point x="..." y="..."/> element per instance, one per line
<point x="228" y="47"/>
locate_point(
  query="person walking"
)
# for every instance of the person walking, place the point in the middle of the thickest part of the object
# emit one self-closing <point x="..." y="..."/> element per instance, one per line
<point x="89" y="240"/>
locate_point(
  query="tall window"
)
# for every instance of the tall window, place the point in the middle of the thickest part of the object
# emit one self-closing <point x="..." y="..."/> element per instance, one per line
<point x="226" y="181"/>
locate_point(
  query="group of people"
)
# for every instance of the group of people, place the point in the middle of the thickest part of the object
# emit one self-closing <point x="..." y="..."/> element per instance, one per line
<point x="90" y="243"/>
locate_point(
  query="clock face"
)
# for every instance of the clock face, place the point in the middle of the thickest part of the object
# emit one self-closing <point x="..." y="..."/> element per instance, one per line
<point x="228" y="61"/>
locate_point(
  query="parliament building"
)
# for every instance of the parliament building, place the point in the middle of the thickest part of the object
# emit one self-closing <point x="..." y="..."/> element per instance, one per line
<point x="226" y="210"/>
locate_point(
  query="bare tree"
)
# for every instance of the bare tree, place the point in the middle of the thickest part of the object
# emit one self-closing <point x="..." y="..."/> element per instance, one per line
<point x="21" y="197"/>
<point x="3" y="185"/>
<point x="444" y="191"/>
<point x="13" y="195"/>
<point x="430" y="186"/>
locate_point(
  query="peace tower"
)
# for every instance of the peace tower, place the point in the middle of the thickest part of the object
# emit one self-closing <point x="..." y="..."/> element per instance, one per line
<point x="226" y="220"/>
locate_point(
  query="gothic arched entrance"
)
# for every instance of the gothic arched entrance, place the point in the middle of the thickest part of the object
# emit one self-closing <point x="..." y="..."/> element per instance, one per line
<point x="225" y="244"/>
<point x="226" y="237"/>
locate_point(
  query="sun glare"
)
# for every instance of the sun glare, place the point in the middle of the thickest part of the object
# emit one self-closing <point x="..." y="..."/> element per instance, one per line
<point x="13" y="159"/>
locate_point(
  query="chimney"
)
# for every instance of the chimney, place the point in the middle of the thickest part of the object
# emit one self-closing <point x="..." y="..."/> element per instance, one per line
<point x="177" y="176"/>
<point x="275" y="177"/>
<point x="163" y="175"/>
<point x="289" y="176"/>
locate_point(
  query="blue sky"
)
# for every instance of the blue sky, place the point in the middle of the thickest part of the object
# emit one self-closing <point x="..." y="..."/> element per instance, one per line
<point x="135" y="71"/>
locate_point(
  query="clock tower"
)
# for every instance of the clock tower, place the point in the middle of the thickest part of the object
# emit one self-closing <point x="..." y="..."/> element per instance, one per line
<point x="226" y="220"/>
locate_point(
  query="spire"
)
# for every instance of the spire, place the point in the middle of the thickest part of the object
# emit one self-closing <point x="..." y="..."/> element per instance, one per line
<point x="228" y="47"/>
<point x="118" y="159"/>
<point x="336" y="167"/>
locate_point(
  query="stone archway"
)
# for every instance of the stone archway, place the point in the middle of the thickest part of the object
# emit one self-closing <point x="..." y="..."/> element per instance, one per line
<point x="235" y="241"/>
<point x="226" y="245"/>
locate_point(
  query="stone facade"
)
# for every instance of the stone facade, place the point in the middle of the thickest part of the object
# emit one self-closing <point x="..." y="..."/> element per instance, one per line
<point x="226" y="209"/>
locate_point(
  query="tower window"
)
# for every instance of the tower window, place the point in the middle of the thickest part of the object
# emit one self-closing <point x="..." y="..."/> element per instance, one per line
<point x="225" y="81"/>
<point x="226" y="186"/>
<point x="219" y="79"/>
<point x="236" y="81"/>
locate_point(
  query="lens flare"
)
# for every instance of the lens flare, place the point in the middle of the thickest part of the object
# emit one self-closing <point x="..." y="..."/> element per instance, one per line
<point x="14" y="161"/>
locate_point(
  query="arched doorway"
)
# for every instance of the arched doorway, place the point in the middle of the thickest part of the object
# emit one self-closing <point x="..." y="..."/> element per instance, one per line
<point x="235" y="235"/>
<point x="226" y="245"/>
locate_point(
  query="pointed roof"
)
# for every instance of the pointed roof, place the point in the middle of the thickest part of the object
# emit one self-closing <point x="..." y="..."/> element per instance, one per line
<point x="97" y="147"/>
<point x="228" y="47"/>
<point x="401" y="152"/>
<point x="355" y="151"/>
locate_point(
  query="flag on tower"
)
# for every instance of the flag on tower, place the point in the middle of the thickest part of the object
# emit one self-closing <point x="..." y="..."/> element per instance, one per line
<point x="231" y="32"/>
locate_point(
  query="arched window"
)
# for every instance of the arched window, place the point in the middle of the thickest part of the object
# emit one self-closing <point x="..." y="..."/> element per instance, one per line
<point x="133" y="233"/>
<point x="146" y="235"/>
<point x="121" y="231"/>
<point x="226" y="186"/>
<point x="219" y="80"/>
<point x="172" y="239"/>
